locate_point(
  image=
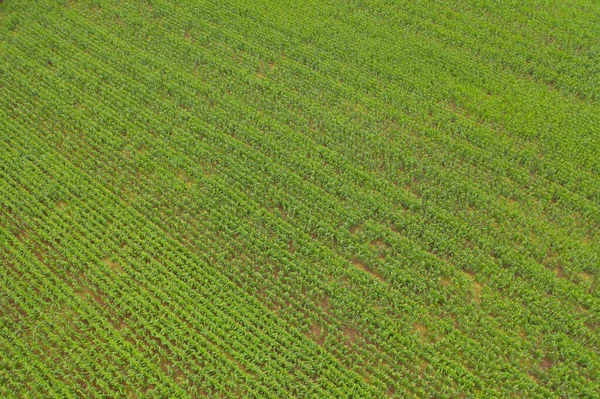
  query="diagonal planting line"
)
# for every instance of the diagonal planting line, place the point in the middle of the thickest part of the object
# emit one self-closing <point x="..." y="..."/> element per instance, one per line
<point x="237" y="292"/>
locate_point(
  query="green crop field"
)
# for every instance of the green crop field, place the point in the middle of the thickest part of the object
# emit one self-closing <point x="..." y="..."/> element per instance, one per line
<point x="299" y="199"/>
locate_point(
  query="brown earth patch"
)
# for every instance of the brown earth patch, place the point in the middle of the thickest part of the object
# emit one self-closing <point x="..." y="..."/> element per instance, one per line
<point x="166" y="365"/>
<point x="587" y="277"/>
<point x="550" y="259"/>
<point x="120" y="324"/>
<point x="21" y="234"/>
<point x="112" y="265"/>
<point x="13" y="309"/>
<point x="381" y="246"/>
<point x="179" y="375"/>
<point x="533" y="377"/>
<point x="355" y="228"/>
<point x="445" y="281"/>
<point x="85" y="293"/>
<point x="351" y="334"/>
<point x="317" y="333"/>
<point x="592" y="325"/>
<point x="423" y="366"/>
<point x="169" y="369"/>
<point x="559" y="272"/>
<point x="421" y="330"/>
<point x="238" y="364"/>
<point x="149" y="387"/>
<point x="325" y="304"/>
<point x="379" y="243"/>
<point x="361" y="265"/>
<point x="39" y="255"/>
<point x="476" y="287"/>
<point x="477" y="290"/>
<point x="546" y="363"/>
<point x="282" y="211"/>
<point x="183" y="176"/>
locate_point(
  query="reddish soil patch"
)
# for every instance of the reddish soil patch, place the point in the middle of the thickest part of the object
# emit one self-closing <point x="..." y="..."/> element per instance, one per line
<point x="166" y="365"/>
<point x="178" y="375"/>
<point x="360" y="265"/>
<point x="39" y="256"/>
<point x="546" y="363"/>
<point x="120" y="324"/>
<point x="98" y="299"/>
<point x="445" y="281"/>
<point x="150" y="387"/>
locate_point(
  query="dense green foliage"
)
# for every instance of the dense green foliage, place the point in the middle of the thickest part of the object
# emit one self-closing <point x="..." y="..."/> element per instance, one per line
<point x="270" y="199"/>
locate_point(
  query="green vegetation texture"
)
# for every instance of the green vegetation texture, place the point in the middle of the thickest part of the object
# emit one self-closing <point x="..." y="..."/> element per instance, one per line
<point x="299" y="199"/>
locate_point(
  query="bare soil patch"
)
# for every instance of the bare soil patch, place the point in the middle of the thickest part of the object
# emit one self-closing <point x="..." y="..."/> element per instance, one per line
<point x="546" y="363"/>
<point x="362" y="266"/>
<point x="421" y="330"/>
<point x="355" y="228"/>
<point x="318" y="333"/>
<point x="112" y="265"/>
<point x="351" y="334"/>
<point x="445" y="281"/>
